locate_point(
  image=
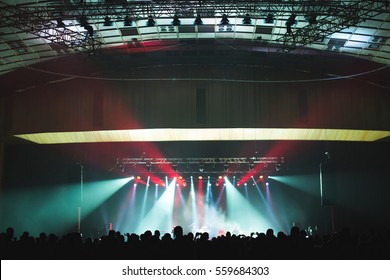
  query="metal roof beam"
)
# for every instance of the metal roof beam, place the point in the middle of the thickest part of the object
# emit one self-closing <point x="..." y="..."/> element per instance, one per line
<point x="332" y="16"/>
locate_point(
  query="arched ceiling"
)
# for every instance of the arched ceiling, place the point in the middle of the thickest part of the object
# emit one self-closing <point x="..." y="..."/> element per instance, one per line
<point x="33" y="31"/>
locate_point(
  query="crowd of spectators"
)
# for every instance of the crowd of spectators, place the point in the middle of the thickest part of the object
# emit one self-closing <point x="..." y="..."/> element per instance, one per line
<point x="152" y="245"/>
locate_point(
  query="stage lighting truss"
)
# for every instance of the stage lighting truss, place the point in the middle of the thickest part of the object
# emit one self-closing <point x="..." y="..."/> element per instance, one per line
<point x="228" y="165"/>
<point x="41" y="19"/>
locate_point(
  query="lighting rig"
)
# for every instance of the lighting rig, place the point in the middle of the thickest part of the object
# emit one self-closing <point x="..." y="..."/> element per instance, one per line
<point x="197" y="166"/>
<point x="317" y="19"/>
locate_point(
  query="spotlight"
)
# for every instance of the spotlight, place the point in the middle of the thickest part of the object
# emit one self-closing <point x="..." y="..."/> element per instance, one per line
<point x="83" y="21"/>
<point x="60" y="23"/>
<point x="247" y="20"/>
<point x="180" y="177"/>
<point x="289" y="30"/>
<point x="138" y="177"/>
<point x="200" y="177"/>
<point x="107" y="21"/>
<point x="326" y="157"/>
<point x="174" y="167"/>
<point x="251" y="166"/>
<point x="269" y="18"/>
<point x="198" y="20"/>
<point x="261" y="177"/>
<point x="201" y="168"/>
<point x="127" y="21"/>
<point x="224" y="20"/>
<point x="89" y="29"/>
<point x="151" y="22"/>
<point x="176" y="20"/>
<point x="312" y="19"/>
<point x="279" y="165"/>
<point x="149" y="168"/>
<point x="290" y="21"/>
<point x="220" y="177"/>
<point x="226" y="167"/>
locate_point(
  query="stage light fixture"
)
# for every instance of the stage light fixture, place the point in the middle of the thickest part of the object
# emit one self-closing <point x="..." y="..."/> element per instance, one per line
<point x="127" y="21"/>
<point x="326" y="157"/>
<point x="269" y="18"/>
<point x="60" y="23"/>
<point x="290" y="22"/>
<point x="200" y="177"/>
<point x="176" y="20"/>
<point x="311" y="19"/>
<point x="226" y="167"/>
<point x="247" y="20"/>
<point x="279" y="165"/>
<point x="89" y="30"/>
<point x="151" y="22"/>
<point x="107" y="21"/>
<point x="201" y="168"/>
<point x="174" y="167"/>
<point x="224" y="20"/>
<point x="198" y="20"/>
<point x="83" y="21"/>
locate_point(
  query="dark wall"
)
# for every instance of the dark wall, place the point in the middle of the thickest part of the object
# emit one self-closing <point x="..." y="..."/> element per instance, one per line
<point x="238" y="91"/>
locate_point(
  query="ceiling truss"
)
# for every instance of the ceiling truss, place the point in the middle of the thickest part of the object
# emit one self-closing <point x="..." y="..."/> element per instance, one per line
<point x="35" y="21"/>
<point x="330" y="16"/>
<point x="231" y="165"/>
<point x="172" y="161"/>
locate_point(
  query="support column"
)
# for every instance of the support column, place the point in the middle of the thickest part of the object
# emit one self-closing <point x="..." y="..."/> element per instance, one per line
<point x="2" y="152"/>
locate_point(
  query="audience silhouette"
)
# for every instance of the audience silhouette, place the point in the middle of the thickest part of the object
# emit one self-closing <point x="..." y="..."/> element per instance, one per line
<point x="177" y="245"/>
